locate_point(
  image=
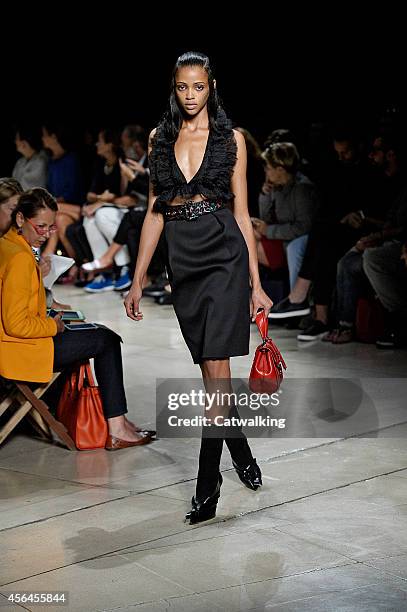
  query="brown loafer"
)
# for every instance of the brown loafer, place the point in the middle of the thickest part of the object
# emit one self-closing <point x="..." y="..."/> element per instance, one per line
<point x="113" y="443"/>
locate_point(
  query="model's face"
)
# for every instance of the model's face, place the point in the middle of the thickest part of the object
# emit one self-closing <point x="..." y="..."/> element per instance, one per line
<point x="37" y="230"/>
<point x="344" y="151"/>
<point x="6" y="208"/>
<point x="48" y="140"/>
<point x="192" y="89"/>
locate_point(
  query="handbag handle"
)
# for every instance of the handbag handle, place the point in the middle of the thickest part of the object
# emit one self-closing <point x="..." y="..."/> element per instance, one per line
<point x="262" y="323"/>
<point x="263" y="326"/>
<point x="85" y="371"/>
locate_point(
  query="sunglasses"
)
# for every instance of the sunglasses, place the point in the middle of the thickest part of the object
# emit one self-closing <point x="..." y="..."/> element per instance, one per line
<point x="43" y="231"/>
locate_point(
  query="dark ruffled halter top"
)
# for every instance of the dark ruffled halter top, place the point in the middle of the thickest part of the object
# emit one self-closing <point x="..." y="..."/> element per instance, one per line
<point x="212" y="181"/>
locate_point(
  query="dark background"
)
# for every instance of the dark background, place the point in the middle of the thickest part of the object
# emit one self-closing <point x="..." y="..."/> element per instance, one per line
<point x="272" y="71"/>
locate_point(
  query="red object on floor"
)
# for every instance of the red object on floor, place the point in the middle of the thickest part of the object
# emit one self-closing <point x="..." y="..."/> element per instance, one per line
<point x="369" y="319"/>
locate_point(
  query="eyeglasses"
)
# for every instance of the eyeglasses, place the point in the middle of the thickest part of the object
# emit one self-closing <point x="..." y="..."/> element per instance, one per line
<point x="43" y="231"/>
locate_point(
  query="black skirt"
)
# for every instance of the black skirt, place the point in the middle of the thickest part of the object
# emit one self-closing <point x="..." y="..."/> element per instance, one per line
<point x="208" y="270"/>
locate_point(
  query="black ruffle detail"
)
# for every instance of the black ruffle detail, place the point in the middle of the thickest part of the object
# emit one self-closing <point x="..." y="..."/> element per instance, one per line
<point x="212" y="180"/>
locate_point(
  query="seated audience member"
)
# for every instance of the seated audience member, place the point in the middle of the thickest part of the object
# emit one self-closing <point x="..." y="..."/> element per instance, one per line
<point x="351" y="281"/>
<point x="10" y="191"/>
<point x="105" y="210"/>
<point x="31" y="168"/>
<point x="130" y="139"/>
<point x="288" y="215"/>
<point x="385" y="265"/>
<point x="347" y="205"/>
<point x="136" y="178"/>
<point x="33" y="345"/>
<point x="64" y="183"/>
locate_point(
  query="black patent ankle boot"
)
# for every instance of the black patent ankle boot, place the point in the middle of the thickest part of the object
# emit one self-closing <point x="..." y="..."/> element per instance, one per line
<point x="203" y="510"/>
<point x="250" y="475"/>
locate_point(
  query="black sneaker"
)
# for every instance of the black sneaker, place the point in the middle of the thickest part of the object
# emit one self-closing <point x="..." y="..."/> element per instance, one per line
<point x="390" y="340"/>
<point x="306" y="322"/>
<point x="316" y="330"/>
<point x="155" y="289"/>
<point x="165" y="299"/>
<point x="285" y="309"/>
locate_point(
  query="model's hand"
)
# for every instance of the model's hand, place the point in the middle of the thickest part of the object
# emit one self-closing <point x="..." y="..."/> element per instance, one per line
<point x="131" y="303"/>
<point x="259" y="299"/>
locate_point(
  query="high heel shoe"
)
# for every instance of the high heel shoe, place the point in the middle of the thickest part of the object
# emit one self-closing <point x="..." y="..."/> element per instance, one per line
<point x="250" y="475"/>
<point x="206" y="509"/>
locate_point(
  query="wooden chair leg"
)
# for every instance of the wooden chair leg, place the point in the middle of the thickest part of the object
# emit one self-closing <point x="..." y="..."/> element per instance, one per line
<point x="39" y="425"/>
<point x="14" y="420"/>
<point x="42" y="408"/>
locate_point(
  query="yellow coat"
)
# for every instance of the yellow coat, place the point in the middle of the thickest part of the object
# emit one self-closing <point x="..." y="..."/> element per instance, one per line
<point x="26" y="346"/>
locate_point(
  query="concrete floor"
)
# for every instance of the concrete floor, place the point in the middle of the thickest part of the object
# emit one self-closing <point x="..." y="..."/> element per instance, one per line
<point x="327" y="531"/>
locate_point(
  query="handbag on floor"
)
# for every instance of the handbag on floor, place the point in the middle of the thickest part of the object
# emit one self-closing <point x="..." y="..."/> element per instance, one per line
<point x="80" y="409"/>
<point x="266" y="374"/>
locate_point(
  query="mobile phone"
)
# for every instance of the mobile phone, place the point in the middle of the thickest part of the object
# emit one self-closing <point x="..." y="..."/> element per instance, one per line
<point x="67" y="315"/>
<point x="80" y="326"/>
<point x="72" y="315"/>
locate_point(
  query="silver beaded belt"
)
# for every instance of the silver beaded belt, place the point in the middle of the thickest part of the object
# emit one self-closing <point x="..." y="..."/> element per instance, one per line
<point x="190" y="210"/>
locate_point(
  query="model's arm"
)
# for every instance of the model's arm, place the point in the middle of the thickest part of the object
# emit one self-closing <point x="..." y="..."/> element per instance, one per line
<point x="150" y="235"/>
<point x="239" y="187"/>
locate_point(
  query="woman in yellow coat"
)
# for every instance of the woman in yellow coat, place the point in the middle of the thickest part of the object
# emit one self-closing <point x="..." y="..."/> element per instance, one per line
<point x="33" y="345"/>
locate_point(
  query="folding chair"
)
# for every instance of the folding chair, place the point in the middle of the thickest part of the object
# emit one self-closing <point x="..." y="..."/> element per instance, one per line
<point x="21" y="400"/>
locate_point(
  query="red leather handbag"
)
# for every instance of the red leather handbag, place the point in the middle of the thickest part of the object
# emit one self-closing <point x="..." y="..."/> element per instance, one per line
<point x="80" y="409"/>
<point x="266" y="374"/>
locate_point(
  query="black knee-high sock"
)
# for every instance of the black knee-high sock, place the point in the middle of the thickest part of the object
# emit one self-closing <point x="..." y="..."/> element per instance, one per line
<point x="209" y="461"/>
<point x="237" y="443"/>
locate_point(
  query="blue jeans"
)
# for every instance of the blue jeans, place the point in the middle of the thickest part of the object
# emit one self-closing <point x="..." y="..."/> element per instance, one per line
<point x="295" y="250"/>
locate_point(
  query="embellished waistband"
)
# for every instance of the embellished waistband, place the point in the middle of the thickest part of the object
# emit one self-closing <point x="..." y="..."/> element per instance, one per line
<point x="190" y="210"/>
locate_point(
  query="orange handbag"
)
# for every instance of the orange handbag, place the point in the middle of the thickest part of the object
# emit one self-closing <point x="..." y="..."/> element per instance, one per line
<point x="80" y="409"/>
<point x="266" y="374"/>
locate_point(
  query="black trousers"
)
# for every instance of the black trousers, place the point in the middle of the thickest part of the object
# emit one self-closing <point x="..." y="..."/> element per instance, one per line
<point x="129" y="232"/>
<point x="328" y="241"/>
<point x="76" y="235"/>
<point x="102" y="345"/>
